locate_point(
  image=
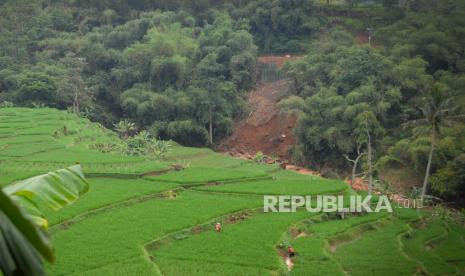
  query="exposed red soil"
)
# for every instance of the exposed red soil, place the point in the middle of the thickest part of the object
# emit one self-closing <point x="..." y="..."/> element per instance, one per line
<point x="302" y="170"/>
<point x="360" y="184"/>
<point x="296" y="233"/>
<point x="361" y="38"/>
<point x="265" y="129"/>
<point x="235" y="218"/>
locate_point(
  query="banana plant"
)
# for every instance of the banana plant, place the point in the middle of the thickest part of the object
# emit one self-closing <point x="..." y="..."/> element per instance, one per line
<point x="23" y="240"/>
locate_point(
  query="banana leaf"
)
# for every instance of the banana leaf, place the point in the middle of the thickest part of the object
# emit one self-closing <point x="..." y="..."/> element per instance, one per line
<point x="54" y="190"/>
<point x="23" y="241"/>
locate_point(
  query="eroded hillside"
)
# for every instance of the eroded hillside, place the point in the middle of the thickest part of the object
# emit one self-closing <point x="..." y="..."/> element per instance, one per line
<point x="265" y="128"/>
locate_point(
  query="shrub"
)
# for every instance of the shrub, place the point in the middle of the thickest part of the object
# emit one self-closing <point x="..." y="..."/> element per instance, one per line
<point x="105" y="147"/>
<point x="143" y="144"/>
<point x="6" y="104"/>
<point x="35" y="87"/>
<point x="259" y="157"/>
<point x="125" y="128"/>
<point x="187" y="133"/>
<point x="449" y="181"/>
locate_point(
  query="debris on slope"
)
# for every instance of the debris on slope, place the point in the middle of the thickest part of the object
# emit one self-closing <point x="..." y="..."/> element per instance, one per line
<point x="265" y="129"/>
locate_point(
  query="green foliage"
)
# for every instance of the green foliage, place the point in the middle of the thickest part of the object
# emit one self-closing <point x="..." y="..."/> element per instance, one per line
<point x="21" y="241"/>
<point x="35" y="87"/>
<point x="336" y="90"/>
<point x="412" y="61"/>
<point x="6" y="104"/>
<point x="21" y="205"/>
<point x="449" y="181"/>
<point x="187" y="133"/>
<point x="142" y="144"/>
<point x="259" y="157"/>
<point x="277" y="21"/>
<point x="117" y="63"/>
<point x="53" y="190"/>
<point x="125" y="128"/>
<point x="180" y="68"/>
<point x="71" y="88"/>
<point x="270" y="72"/>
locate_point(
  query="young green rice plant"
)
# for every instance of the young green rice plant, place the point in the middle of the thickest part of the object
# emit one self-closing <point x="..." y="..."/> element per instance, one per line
<point x="105" y="232"/>
<point x="416" y="241"/>
<point x="202" y="175"/>
<point x="377" y="252"/>
<point x="110" y="238"/>
<point x="245" y="247"/>
<point x="108" y="191"/>
<point x="451" y="248"/>
<point x="283" y="184"/>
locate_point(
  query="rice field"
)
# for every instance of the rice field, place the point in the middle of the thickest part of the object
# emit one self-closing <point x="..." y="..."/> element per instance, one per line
<point x="141" y="218"/>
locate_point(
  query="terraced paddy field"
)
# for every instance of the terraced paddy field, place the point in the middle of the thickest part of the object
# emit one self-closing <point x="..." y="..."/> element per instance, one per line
<point x="141" y="217"/>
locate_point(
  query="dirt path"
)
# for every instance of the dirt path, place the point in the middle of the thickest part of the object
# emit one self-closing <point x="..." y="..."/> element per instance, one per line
<point x="265" y="129"/>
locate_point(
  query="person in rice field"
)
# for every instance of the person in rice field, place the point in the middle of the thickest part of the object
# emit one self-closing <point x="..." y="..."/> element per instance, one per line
<point x="290" y="251"/>
<point x="218" y="227"/>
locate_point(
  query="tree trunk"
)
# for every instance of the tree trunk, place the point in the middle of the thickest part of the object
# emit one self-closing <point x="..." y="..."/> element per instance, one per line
<point x="210" y="127"/>
<point x="76" y="103"/>
<point x="370" y="168"/>
<point x="354" y="167"/>
<point x="355" y="163"/>
<point x="428" y="166"/>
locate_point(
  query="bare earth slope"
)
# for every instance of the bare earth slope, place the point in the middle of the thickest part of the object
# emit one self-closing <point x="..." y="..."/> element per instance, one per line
<point x="265" y="129"/>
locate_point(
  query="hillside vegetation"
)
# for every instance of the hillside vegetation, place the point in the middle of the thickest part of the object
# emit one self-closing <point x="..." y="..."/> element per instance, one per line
<point x="135" y="221"/>
<point x="181" y="70"/>
<point x="313" y="97"/>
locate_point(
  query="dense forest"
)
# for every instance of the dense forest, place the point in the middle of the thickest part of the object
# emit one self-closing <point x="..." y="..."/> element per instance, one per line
<point x="181" y="70"/>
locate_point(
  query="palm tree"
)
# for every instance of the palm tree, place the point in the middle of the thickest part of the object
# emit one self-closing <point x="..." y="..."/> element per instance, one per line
<point x="438" y="111"/>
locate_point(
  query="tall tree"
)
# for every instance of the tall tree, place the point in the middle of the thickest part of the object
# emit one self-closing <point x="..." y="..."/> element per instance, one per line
<point x="72" y="88"/>
<point x="368" y="131"/>
<point x="438" y="110"/>
<point x="355" y="162"/>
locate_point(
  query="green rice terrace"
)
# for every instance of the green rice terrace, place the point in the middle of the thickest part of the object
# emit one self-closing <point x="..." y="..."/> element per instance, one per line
<point x="157" y="217"/>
